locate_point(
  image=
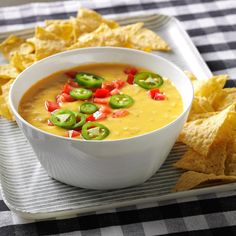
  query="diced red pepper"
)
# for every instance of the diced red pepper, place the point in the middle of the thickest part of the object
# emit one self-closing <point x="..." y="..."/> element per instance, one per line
<point x="71" y="74"/>
<point x="105" y="109"/>
<point x="108" y="85"/>
<point x="156" y="94"/>
<point x="119" y="83"/>
<point x="72" y="83"/>
<point x="130" y="79"/>
<point x="50" y="123"/>
<point x="98" y="115"/>
<point x="131" y="70"/>
<point x="104" y="101"/>
<point x="90" y="118"/>
<point x="120" y="113"/>
<point x="66" y="88"/>
<point x="64" y="97"/>
<point x="51" y="106"/>
<point x="115" y="91"/>
<point x="73" y="133"/>
<point x="101" y="93"/>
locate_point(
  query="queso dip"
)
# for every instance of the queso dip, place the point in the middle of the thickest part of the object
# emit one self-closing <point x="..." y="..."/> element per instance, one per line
<point x="101" y="101"/>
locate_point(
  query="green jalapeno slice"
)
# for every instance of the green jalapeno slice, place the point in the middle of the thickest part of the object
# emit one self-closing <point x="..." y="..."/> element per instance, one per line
<point x="81" y="93"/>
<point x="94" y="131"/>
<point x="120" y="101"/>
<point x="80" y="120"/>
<point x="148" y="80"/>
<point x="88" y="108"/>
<point x="88" y="80"/>
<point x="63" y="118"/>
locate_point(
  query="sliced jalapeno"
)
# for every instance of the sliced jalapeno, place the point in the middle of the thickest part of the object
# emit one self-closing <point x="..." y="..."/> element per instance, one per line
<point x="88" y="108"/>
<point x="63" y="118"/>
<point x="120" y="101"/>
<point x="148" y="80"/>
<point x="80" y="120"/>
<point x="94" y="131"/>
<point x="88" y="80"/>
<point x="81" y="93"/>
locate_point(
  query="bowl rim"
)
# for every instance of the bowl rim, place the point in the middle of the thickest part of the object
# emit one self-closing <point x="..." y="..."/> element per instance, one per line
<point x="15" y="111"/>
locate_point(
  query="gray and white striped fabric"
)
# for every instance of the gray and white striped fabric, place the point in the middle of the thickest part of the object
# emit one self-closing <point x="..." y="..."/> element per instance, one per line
<point x="211" y="26"/>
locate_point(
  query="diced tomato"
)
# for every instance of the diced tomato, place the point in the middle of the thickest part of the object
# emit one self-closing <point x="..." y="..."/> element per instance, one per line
<point x="108" y="85"/>
<point x="50" y="123"/>
<point x="66" y="88"/>
<point x="104" y="101"/>
<point x="105" y="109"/>
<point x="98" y="115"/>
<point x="64" y="97"/>
<point x="131" y="70"/>
<point x="72" y="133"/>
<point x="101" y="93"/>
<point x="130" y="79"/>
<point x="156" y="94"/>
<point x="115" y="91"/>
<point x="71" y="74"/>
<point x="90" y="118"/>
<point x="120" y="113"/>
<point x="51" y="106"/>
<point x="119" y="83"/>
<point x="72" y="83"/>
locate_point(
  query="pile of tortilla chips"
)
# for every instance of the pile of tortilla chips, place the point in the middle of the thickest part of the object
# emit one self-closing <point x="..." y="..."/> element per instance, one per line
<point x="87" y="29"/>
<point x="210" y="134"/>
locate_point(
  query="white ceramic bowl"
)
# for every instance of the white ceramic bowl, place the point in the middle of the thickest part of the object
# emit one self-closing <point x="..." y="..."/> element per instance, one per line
<point x="102" y="164"/>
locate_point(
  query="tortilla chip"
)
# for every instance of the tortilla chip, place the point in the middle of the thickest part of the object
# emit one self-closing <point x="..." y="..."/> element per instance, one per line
<point x="47" y="43"/>
<point x="5" y="106"/>
<point x="201" y="116"/>
<point x="200" y="105"/>
<point x="9" y="46"/>
<point x="63" y="29"/>
<point x="192" y="179"/>
<point x="4" y="110"/>
<point x="21" y="61"/>
<point x="146" y="39"/>
<point x="224" y="99"/>
<point x="7" y="72"/>
<point x="127" y="32"/>
<point x="91" y="20"/>
<point x="103" y="36"/>
<point x="213" y="163"/>
<point x="210" y="88"/>
<point x="201" y="134"/>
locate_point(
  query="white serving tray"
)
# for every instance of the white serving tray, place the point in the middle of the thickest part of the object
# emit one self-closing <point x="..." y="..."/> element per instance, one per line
<point x="27" y="189"/>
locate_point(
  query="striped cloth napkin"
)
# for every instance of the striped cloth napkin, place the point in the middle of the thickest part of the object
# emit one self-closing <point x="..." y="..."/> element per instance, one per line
<point x="211" y="26"/>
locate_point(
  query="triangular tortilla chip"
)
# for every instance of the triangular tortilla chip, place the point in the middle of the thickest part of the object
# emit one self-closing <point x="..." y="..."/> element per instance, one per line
<point x="91" y="20"/>
<point x="9" y="46"/>
<point x="201" y="134"/>
<point x="210" y="88"/>
<point x="63" y="29"/>
<point x="7" y="72"/>
<point x="21" y="61"/>
<point x="205" y="115"/>
<point x="47" y="43"/>
<point x="5" y="105"/>
<point x="200" y="105"/>
<point x="224" y="99"/>
<point x="102" y="36"/>
<point x="214" y="163"/>
<point x="191" y="179"/>
<point x="148" y="40"/>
